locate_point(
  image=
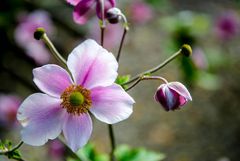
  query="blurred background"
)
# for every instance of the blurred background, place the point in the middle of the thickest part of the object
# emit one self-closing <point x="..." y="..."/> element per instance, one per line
<point x="205" y="129"/>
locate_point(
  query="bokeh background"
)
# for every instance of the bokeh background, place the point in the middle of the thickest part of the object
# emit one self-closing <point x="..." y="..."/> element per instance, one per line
<point x="205" y="129"/>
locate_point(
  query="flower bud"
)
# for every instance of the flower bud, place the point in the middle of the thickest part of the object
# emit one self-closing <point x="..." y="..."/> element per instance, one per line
<point x="172" y="95"/>
<point x="113" y="15"/>
<point x="39" y="33"/>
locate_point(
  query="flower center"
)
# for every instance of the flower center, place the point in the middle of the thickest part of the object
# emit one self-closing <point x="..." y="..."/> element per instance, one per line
<point x="76" y="100"/>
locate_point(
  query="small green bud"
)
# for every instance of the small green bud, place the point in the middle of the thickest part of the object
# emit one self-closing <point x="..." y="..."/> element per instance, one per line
<point x="186" y="50"/>
<point x="39" y="33"/>
<point x="76" y="99"/>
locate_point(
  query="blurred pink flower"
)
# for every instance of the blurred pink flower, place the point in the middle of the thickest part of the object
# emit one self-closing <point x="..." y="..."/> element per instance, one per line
<point x="24" y="35"/>
<point x="140" y="12"/>
<point x="56" y="150"/>
<point x="227" y="25"/>
<point x="8" y="109"/>
<point x="112" y="35"/>
<point x="81" y="7"/>
<point x="67" y="103"/>
<point x="199" y="58"/>
<point x="172" y="95"/>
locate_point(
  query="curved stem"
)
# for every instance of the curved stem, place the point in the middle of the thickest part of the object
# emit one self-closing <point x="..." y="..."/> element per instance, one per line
<point x="121" y="44"/>
<point x="146" y="78"/>
<point x="13" y="149"/>
<point x="6" y="152"/>
<point x="154" y="69"/>
<point x="53" y="50"/>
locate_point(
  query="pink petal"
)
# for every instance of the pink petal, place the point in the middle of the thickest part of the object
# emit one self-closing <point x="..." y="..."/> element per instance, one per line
<point x="81" y="9"/>
<point x="41" y="117"/>
<point x="111" y="104"/>
<point x="73" y="2"/>
<point x="107" y="5"/>
<point x="51" y="79"/>
<point x="180" y="89"/>
<point x="92" y="66"/>
<point x="77" y="130"/>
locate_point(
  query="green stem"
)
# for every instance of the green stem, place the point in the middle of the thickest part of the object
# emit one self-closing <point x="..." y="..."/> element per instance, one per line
<point x="150" y="71"/>
<point x="121" y="44"/>
<point x="113" y="143"/>
<point x="13" y="149"/>
<point x="146" y="78"/>
<point x="53" y="50"/>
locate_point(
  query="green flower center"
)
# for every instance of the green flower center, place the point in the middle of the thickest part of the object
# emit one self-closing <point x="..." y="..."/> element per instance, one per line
<point x="76" y="99"/>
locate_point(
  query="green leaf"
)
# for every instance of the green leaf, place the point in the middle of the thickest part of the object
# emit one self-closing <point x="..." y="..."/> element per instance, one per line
<point x="122" y="79"/>
<point x="125" y="153"/>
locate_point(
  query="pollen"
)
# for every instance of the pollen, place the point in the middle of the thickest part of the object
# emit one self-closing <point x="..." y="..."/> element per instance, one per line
<point x="76" y="100"/>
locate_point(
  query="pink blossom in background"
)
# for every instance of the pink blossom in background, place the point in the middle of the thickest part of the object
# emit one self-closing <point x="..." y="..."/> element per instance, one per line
<point x="66" y="102"/>
<point x="172" y="95"/>
<point x="8" y="109"/>
<point x="199" y="58"/>
<point x="140" y="12"/>
<point x="82" y="7"/>
<point x="56" y="149"/>
<point x="112" y="35"/>
<point x="227" y="25"/>
<point x="24" y="35"/>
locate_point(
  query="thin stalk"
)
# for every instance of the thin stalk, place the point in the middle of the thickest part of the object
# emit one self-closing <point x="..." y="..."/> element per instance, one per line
<point x="5" y="152"/>
<point x="154" y="69"/>
<point x="121" y="44"/>
<point x="113" y="143"/>
<point x="102" y="28"/>
<point x="146" y="78"/>
<point x="53" y="50"/>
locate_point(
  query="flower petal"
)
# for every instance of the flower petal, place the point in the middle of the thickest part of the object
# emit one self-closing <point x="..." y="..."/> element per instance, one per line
<point x="80" y="10"/>
<point x="111" y="104"/>
<point x="41" y="117"/>
<point x="77" y="130"/>
<point x="51" y="79"/>
<point x="73" y="2"/>
<point x="180" y="89"/>
<point x="107" y="5"/>
<point x="92" y="66"/>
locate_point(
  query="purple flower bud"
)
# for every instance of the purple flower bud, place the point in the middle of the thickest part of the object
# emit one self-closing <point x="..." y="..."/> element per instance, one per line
<point x="172" y="95"/>
<point x="113" y="15"/>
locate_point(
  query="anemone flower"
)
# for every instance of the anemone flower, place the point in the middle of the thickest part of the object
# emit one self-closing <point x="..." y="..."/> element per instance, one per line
<point x="8" y="109"/>
<point x="24" y="35"/>
<point x="81" y="7"/>
<point x="69" y="97"/>
<point x="172" y="95"/>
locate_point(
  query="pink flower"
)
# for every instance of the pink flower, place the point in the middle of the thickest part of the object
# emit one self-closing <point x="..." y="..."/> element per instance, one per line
<point x="69" y="98"/>
<point x="140" y="12"/>
<point x="8" y="109"/>
<point x="172" y="95"/>
<point x="199" y="58"/>
<point x="56" y="149"/>
<point x="24" y="35"/>
<point x="83" y="6"/>
<point x="112" y="34"/>
<point x="227" y="25"/>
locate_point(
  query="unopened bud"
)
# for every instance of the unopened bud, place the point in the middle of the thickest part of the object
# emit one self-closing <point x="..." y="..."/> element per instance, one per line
<point x="39" y="33"/>
<point x="114" y="15"/>
<point x="186" y="50"/>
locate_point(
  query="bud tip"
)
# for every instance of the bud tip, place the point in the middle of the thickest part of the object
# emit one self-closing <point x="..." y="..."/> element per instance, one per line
<point x="186" y="50"/>
<point x="39" y="33"/>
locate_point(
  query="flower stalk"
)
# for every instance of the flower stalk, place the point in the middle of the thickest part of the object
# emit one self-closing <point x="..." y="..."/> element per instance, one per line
<point x="144" y="77"/>
<point x="185" y="50"/>
<point x="41" y="34"/>
<point x="7" y="151"/>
